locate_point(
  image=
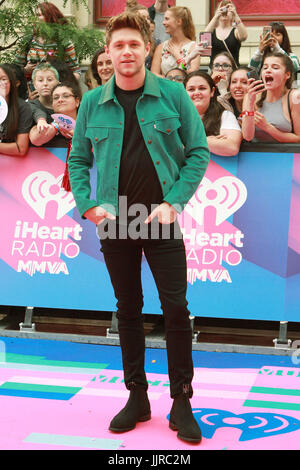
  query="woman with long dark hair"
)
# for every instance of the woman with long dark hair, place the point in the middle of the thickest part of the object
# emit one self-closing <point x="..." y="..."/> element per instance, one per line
<point x="274" y="114"/>
<point x="14" y="130"/>
<point x="222" y="129"/>
<point x="21" y="81"/>
<point x="222" y="67"/>
<point x="101" y="66"/>
<point x="237" y="90"/>
<point x="276" y="41"/>
<point x="40" y="50"/>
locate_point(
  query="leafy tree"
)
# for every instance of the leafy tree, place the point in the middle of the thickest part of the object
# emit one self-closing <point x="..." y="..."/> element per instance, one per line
<point x="18" y="20"/>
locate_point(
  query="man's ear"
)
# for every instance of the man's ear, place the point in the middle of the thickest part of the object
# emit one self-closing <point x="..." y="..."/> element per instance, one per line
<point x="148" y="47"/>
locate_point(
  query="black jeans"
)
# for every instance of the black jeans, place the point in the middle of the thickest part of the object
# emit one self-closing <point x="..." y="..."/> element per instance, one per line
<point x="167" y="261"/>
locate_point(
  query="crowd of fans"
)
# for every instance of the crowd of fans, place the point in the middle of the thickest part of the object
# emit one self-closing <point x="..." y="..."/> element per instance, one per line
<point x="254" y="102"/>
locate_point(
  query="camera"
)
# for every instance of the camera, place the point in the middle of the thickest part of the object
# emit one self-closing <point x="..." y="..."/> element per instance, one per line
<point x="223" y="9"/>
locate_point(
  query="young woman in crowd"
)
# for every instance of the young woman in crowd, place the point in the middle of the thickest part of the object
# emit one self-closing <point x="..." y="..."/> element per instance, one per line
<point x="237" y="90"/>
<point x="277" y="41"/>
<point x="274" y="114"/>
<point x="65" y="100"/>
<point x="39" y="49"/>
<point x="223" y="132"/>
<point x="232" y="98"/>
<point x="101" y="66"/>
<point x="172" y="53"/>
<point x="228" y="31"/>
<point x="44" y="78"/>
<point x="14" y="130"/>
<point x="222" y="67"/>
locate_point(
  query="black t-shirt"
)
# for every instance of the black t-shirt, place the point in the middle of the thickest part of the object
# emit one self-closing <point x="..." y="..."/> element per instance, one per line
<point x="138" y="179"/>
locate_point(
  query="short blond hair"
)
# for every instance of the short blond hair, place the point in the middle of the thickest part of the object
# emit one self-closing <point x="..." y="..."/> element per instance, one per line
<point x="45" y="67"/>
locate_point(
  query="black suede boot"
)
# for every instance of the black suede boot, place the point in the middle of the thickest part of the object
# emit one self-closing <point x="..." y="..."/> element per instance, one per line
<point x="137" y="409"/>
<point x="183" y="421"/>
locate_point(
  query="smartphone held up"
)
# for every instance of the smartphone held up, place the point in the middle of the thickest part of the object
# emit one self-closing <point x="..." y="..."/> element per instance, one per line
<point x="267" y="30"/>
<point x="205" y="40"/>
<point x="253" y="74"/>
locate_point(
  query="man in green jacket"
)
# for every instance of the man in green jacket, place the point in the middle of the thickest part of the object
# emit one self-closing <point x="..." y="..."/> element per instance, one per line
<point x="150" y="149"/>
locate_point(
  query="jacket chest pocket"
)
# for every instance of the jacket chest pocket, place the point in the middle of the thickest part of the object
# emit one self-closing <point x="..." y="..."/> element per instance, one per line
<point x="167" y="126"/>
<point x="96" y="134"/>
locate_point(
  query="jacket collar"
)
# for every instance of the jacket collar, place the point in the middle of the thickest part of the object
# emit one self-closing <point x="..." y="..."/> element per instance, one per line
<point x="151" y="87"/>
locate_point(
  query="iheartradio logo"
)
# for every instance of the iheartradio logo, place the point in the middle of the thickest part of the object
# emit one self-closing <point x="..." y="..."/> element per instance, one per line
<point x="40" y="188"/>
<point x="227" y="194"/>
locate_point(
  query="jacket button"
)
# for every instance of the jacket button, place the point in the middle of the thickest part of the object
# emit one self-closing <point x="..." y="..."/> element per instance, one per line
<point x="157" y="163"/>
<point x="164" y="182"/>
<point x="149" y="141"/>
<point x="168" y="130"/>
<point x="96" y="139"/>
<point x="142" y="120"/>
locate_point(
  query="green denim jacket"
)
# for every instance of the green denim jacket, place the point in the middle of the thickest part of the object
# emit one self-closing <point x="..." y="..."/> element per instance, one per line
<point x="172" y="130"/>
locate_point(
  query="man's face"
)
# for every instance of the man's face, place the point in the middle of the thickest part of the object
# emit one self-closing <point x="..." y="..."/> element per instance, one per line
<point x="127" y="51"/>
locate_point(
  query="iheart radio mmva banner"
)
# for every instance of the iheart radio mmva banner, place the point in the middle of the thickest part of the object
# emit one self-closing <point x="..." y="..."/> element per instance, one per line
<point x="241" y="232"/>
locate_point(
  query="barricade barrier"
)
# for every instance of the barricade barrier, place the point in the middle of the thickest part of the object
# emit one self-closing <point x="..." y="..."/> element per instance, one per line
<point x="241" y="230"/>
